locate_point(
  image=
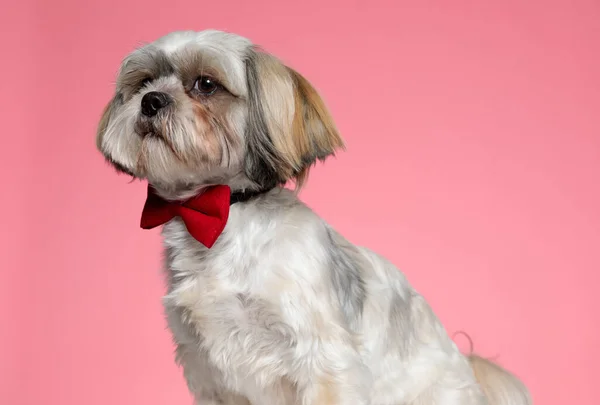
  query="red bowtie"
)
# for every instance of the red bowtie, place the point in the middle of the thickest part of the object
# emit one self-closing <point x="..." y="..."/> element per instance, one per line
<point x="204" y="216"/>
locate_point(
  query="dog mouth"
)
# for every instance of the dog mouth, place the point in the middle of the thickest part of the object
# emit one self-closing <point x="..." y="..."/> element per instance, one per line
<point x="147" y="130"/>
<point x="151" y="135"/>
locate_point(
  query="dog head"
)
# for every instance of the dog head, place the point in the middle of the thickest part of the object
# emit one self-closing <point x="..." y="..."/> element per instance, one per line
<point x="201" y="108"/>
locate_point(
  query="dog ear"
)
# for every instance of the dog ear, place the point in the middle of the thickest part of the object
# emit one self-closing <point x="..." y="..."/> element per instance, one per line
<point x="289" y="126"/>
<point x="112" y="105"/>
<point x="314" y="134"/>
<point x="105" y="118"/>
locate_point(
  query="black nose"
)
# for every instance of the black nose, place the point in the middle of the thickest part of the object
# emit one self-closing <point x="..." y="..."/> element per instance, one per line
<point x="154" y="101"/>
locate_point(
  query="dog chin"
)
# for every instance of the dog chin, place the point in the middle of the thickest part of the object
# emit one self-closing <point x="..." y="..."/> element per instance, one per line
<point x="121" y="168"/>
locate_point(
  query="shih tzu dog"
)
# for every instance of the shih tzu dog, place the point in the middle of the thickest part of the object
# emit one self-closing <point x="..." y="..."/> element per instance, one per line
<point x="268" y="305"/>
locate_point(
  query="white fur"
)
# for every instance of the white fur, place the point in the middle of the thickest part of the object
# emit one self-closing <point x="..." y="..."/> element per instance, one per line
<point x="272" y="250"/>
<point x="283" y="310"/>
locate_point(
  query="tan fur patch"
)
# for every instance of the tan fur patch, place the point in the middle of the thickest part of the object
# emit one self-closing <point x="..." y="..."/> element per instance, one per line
<point x="208" y="136"/>
<point x="314" y="133"/>
<point x="327" y="393"/>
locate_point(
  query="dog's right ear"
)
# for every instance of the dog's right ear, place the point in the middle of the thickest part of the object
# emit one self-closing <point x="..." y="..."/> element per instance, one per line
<point x="116" y="101"/>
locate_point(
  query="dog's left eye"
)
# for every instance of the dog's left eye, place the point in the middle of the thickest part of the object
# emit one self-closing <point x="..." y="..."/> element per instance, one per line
<point x="206" y="85"/>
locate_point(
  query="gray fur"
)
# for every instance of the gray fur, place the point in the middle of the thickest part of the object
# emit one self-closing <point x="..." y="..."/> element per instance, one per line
<point x="147" y="64"/>
<point x="346" y="276"/>
<point x="400" y="320"/>
<point x="261" y="157"/>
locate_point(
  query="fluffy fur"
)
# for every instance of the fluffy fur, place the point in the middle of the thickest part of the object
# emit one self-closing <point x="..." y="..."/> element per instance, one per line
<point x="282" y="310"/>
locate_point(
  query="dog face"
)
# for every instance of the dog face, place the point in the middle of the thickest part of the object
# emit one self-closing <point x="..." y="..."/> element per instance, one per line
<point x="199" y="108"/>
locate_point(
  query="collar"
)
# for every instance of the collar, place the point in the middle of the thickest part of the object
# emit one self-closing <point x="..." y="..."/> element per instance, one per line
<point x="246" y="195"/>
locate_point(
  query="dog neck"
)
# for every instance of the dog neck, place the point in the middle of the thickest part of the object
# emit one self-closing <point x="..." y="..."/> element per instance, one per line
<point x="242" y="189"/>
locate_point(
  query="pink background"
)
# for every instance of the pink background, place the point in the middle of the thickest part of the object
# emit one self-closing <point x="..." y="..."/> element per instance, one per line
<point x="476" y="127"/>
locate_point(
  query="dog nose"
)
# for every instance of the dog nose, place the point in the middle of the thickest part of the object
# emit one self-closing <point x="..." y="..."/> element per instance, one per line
<point x="152" y="102"/>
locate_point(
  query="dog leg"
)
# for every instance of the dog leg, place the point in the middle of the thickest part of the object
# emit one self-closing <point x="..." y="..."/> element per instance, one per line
<point x="334" y="373"/>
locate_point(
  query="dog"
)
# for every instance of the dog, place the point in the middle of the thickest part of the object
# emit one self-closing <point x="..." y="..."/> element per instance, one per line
<point x="267" y="304"/>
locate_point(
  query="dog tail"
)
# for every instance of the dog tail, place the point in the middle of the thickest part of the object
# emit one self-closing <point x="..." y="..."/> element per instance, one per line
<point x="499" y="385"/>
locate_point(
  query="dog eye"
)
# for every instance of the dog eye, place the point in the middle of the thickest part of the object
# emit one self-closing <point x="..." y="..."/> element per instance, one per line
<point x="145" y="82"/>
<point x="206" y="85"/>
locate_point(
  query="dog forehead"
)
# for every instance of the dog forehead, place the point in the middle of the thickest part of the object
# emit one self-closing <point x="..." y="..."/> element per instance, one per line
<point x="231" y="44"/>
<point x="229" y="50"/>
